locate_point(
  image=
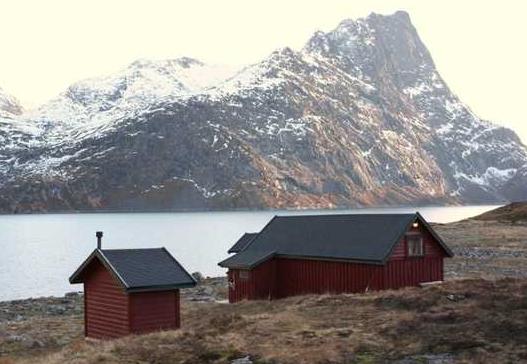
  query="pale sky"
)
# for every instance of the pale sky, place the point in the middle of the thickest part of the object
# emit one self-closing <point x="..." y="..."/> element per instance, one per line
<point x="479" y="46"/>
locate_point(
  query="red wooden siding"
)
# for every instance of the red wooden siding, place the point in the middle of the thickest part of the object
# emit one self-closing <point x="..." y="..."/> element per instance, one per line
<point x="302" y="276"/>
<point x="431" y="247"/>
<point x="282" y="277"/>
<point x="110" y="312"/>
<point x="258" y="285"/>
<point x="153" y="311"/>
<point x="411" y="272"/>
<point x="106" y="304"/>
<point x="402" y="270"/>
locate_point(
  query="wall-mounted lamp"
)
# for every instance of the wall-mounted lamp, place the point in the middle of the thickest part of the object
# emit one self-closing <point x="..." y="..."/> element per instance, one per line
<point x="415" y="225"/>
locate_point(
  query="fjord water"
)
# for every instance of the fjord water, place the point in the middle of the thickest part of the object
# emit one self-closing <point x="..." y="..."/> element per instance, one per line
<point x="39" y="252"/>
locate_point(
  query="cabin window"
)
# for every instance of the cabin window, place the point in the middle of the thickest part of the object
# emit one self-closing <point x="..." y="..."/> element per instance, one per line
<point x="244" y="275"/>
<point x="414" y="243"/>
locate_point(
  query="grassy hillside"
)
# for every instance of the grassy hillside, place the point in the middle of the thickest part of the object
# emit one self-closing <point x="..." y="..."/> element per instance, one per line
<point x="460" y="321"/>
<point x="513" y="212"/>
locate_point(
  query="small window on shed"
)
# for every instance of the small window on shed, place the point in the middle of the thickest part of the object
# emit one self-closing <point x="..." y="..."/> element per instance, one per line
<point x="244" y="275"/>
<point x="414" y="243"/>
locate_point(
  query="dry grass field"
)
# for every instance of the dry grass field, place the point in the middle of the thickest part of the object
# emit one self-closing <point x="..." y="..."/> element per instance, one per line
<point x="462" y="321"/>
<point x="485" y="249"/>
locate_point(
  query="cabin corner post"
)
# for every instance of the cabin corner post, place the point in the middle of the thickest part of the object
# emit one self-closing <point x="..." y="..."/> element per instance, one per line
<point x="85" y="299"/>
<point x="274" y="280"/>
<point x="130" y="312"/>
<point x="177" y="306"/>
<point x="230" y="284"/>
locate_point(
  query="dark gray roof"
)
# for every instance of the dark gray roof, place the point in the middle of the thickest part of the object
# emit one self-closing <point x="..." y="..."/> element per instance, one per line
<point x="242" y="242"/>
<point x="365" y="237"/>
<point x="140" y="269"/>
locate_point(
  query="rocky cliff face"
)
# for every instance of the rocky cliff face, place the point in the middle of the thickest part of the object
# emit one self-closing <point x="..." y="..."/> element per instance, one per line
<point x="359" y="116"/>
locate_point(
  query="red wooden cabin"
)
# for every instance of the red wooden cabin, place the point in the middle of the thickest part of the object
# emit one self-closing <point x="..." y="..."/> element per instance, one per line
<point x="130" y="291"/>
<point x="296" y="255"/>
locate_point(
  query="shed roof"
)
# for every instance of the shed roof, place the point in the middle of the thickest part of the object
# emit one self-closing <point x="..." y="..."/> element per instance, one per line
<point x="354" y="237"/>
<point x="140" y="269"/>
<point x="242" y="242"/>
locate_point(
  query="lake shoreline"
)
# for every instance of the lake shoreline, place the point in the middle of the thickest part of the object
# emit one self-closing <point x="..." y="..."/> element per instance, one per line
<point x="482" y="249"/>
<point x="208" y="289"/>
<point x="286" y="209"/>
<point x="41" y="251"/>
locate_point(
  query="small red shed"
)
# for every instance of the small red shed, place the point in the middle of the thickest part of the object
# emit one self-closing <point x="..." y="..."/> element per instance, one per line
<point x="130" y="291"/>
<point x="338" y="253"/>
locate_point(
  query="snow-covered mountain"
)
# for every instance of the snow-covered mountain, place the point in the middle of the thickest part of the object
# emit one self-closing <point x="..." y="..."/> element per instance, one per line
<point x="16" y="134"/>
<point x="359" y="116"/>
<point x="9" y="105"/>
<point x="99" y="102"/>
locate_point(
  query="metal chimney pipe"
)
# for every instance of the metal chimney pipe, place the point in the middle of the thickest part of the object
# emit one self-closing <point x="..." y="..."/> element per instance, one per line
<point x="98" y="234"/>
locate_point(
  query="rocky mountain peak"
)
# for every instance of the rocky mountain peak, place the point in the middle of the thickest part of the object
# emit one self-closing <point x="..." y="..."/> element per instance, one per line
<point x="182" y="62"/>
<point x="374" y="45"/>
<point x="360" y="116"/>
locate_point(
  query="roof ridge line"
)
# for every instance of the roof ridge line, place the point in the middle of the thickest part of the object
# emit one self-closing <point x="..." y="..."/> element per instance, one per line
<point x="127" y="249"/>
<point x="287" y="236"/>
<point x="357" y="214"/>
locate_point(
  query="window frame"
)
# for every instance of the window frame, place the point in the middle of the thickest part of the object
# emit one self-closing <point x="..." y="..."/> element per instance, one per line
<point x="413" y="237"/>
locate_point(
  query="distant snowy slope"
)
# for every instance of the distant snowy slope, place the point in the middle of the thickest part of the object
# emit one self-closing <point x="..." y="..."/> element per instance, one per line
<point x="139" y="86"/>
<point x="9" y="105"/>
<point x="359" y="116"/>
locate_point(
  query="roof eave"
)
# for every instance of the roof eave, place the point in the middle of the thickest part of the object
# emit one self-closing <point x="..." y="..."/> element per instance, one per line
<point x="180" y="266"/>
<point x="332" y="259"/>
<point x="429" y="228"/>
<point x="237" y="247"/>
<point x="75" y="277"/>
<point x="246" y="266"/>
<point x="169" y="287"/>
<point x="441" y="242"/>
<point x="306" y="257"/>
<point x="399" y="237"/>
<point x="97" y="253"/>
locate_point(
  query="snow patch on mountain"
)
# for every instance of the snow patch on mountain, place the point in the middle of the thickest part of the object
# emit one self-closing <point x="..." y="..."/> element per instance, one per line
<point x="491" y="177"/>
<point x="141" y="85"/>
<point x="9" y="105"/>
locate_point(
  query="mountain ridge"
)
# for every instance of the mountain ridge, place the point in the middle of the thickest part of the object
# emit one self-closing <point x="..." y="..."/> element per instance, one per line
<point x="359" y="116"/>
